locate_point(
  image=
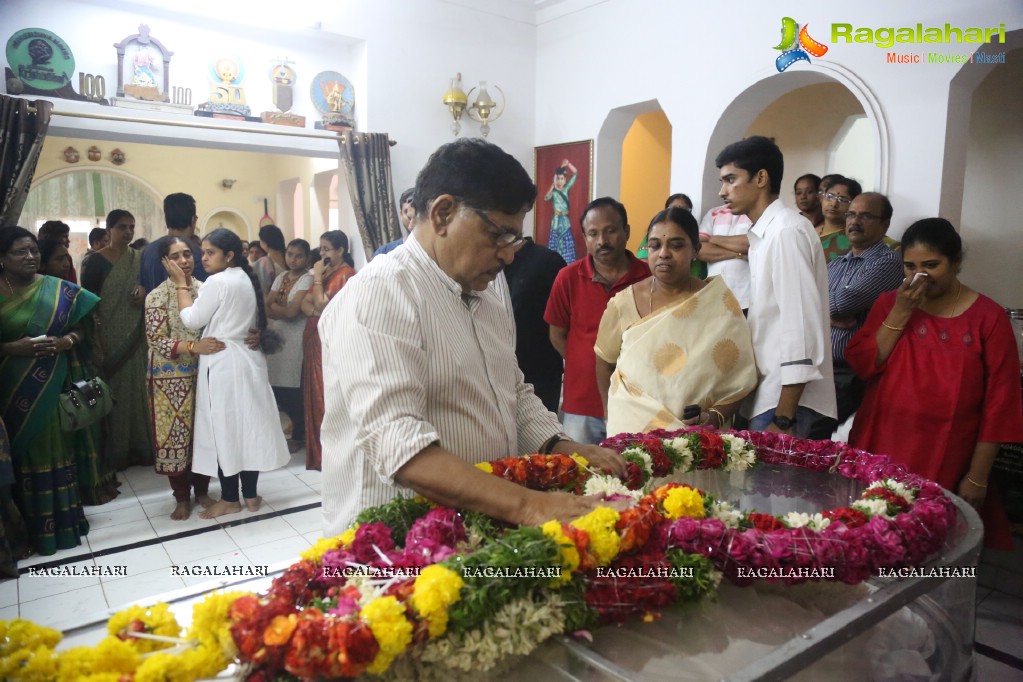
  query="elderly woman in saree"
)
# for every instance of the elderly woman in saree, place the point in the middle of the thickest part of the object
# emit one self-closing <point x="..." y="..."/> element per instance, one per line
<point x="113" y="275"/>
<point x="673" y="340"/>
<point x="174" y="352"/>
<point x="44" y="344"/>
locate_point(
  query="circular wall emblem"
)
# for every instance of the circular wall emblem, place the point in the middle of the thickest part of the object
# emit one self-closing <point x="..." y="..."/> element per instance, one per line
<point x="40" y="59"/>
<point x="333" y="95"/>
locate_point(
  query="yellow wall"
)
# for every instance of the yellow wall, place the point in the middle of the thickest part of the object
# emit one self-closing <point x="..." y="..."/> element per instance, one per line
<point x="200" y="172"/>
<point x="646" y="171"/>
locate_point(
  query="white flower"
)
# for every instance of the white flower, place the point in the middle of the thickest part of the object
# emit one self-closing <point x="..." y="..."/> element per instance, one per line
<point x="606" y="486"/>
<point x="644" y="457"/>
<point x="739" y="454"/>
<point x="872" y="507"/>
<point x="811" y="521"/>
<point x="681" y="448"/>
<point x="727" y="514"/>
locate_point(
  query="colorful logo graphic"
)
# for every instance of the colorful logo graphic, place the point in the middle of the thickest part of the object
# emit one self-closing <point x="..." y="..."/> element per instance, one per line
<point x="795" y="44"/>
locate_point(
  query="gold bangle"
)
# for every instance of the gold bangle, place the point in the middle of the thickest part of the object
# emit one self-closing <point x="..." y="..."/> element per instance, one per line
<point x="719" y="413"/>
<point x="318" y="281"/>
<point x="190" y="346"/>
<point x="979" y="485"/>
<point x="888" y="326"/>
<point x="184" y="287"/>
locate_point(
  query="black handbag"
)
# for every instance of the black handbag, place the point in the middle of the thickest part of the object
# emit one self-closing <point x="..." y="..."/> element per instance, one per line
<point x="84" y="402"/>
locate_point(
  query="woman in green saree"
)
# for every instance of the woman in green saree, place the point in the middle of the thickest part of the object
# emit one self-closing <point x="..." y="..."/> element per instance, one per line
<point x="43" y="344"/>
<point x="113" y="275"/>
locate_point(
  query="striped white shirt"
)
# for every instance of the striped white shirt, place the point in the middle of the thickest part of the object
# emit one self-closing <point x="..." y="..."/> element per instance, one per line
<point x="408" y="363"/>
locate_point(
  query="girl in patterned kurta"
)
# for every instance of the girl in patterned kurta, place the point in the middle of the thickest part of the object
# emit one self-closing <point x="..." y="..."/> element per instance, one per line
<point x="561" y="241"/>
<point x="174" y="352"/>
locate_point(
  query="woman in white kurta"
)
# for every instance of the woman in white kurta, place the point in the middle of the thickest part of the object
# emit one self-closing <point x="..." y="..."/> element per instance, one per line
<point x="237" y="432"/>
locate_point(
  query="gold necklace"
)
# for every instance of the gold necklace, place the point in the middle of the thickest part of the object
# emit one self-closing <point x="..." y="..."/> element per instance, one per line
<point x="9" y="285"/>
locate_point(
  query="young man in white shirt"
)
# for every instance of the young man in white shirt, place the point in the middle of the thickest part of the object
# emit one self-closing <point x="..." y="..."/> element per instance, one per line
<point x="788" y="314"/>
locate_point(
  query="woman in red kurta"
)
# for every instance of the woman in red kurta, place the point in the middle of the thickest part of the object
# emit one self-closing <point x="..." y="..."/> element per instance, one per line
<point x="329" y="274"/>
<point x="943" y="375"/>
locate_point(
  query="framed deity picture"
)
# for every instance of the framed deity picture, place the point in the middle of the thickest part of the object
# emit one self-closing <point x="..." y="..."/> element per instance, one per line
<point x="564" y="184"/>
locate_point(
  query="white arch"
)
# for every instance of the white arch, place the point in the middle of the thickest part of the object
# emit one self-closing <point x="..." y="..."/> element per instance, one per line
<point x="204" y="221"/>
<point x="744" y="109"/>
<point x="152" y="191"/>
<point x="607" y="162"/>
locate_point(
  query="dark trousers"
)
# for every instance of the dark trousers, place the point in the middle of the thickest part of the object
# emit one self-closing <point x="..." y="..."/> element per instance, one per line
<point x="848" y="396"/>
<point x="229" y="485"/>
<point x="290" y="402"/>
<point x="183" y="483"/>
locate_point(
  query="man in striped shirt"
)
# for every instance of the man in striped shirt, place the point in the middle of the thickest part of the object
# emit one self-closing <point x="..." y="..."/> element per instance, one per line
<point x="855" y="280"/>
<point x="420" y="375"/>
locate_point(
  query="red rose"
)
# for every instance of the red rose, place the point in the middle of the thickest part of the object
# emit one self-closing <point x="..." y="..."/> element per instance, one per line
<point x="765" y="522"/>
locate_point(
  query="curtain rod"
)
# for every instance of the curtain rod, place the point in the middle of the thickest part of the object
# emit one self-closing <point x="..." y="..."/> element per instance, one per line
<point x="197" y="124"/>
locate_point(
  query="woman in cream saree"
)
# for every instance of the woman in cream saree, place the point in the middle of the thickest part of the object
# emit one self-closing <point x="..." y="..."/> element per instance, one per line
<point x="673" y="340"/>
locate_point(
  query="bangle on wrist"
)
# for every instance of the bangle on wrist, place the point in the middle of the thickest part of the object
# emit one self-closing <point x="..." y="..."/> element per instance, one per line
<point x="979" y="485"/>
<point x="888" y="326"/>
<point x="720" y="415"/>
<point x="191" y="347"/>
<point x="181" y="286"/>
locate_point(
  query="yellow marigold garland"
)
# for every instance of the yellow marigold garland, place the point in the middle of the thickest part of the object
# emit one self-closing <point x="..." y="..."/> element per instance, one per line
<point x="155" y="620"/>
<point x="599" y="524"/>
<point x="683" y="501"/>
<point x="569" y="552"/>
<point x="385" y="617"/>
<point x="436" y="589"/>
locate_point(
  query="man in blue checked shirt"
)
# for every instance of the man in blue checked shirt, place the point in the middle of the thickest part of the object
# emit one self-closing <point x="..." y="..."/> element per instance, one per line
<point x="855" y="280"/>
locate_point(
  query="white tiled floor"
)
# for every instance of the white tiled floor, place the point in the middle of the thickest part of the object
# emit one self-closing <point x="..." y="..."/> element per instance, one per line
<point x="142" y="512"/>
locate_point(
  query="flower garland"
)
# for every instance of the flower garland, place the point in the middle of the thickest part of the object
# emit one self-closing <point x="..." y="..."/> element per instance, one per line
<point x="413" y="590"/>
<point x="144" y="644"/>
<point x="437" y="594"/>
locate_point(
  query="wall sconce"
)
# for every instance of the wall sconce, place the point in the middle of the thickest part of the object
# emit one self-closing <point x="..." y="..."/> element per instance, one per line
<point x="485" y="109"/>
<point x="456" y="101"/>
<point x="71" y="155"/>
<point x="117" y="157"/>
<point x="94" y="153"/>
<point x="227" y="184"/>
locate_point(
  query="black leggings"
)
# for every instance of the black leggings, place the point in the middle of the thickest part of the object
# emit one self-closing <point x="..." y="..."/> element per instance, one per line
<point x="229" y="485"/>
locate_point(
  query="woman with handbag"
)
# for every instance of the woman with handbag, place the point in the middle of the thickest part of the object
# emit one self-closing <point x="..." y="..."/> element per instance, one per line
<point x="113" y="275"/>
<point x="174" y="352"/>
<point x="43" y="349"/>
<point x="237" y="432"/>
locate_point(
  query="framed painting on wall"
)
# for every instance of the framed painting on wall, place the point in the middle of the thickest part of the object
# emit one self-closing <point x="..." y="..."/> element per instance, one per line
<point x="564" y="183"/>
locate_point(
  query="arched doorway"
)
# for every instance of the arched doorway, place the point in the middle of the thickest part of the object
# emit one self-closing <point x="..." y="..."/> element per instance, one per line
<point x="82" y="198"/>
<point x="765" y="97"/>
<point x="633" y="162"/>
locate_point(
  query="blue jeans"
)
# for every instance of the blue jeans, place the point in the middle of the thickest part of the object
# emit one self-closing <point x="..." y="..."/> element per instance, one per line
<point x="584" y="429"/>
<point x="805" y="419"/>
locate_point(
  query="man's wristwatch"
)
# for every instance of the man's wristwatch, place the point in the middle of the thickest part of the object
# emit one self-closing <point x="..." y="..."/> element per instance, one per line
<point x="548" y="447"/>
<point x="783" y="423"/>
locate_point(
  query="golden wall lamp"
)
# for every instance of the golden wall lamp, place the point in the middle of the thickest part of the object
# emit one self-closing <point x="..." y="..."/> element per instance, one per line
<point x="484" y="109"/>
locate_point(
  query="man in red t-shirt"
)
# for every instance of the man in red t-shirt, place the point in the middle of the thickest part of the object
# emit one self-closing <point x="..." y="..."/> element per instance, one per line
<point x="576" y="304"/>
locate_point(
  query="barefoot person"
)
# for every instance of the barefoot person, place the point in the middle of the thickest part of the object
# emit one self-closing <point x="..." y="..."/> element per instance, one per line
<point x="236" y="426"/>
<point x="174" y="352"/>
